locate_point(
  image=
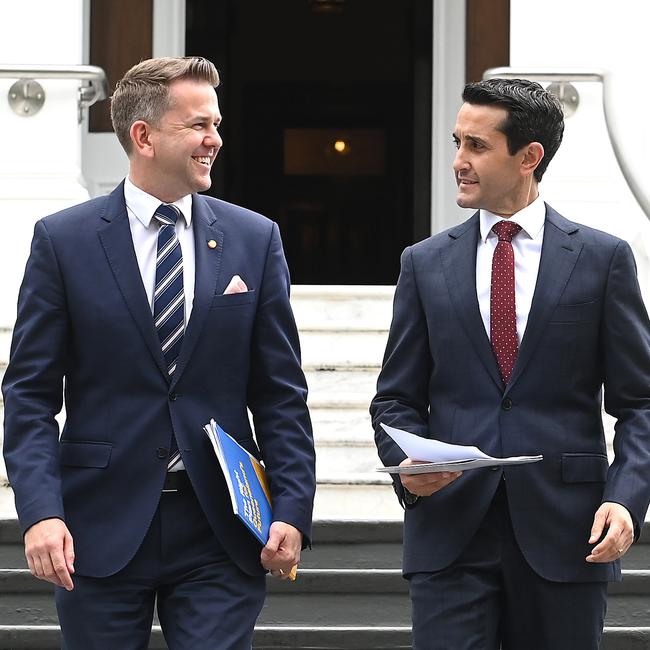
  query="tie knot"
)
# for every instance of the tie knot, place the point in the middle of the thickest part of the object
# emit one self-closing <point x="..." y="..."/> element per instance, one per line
<point x="506" y="230"/>
<point x="167" y="214"/>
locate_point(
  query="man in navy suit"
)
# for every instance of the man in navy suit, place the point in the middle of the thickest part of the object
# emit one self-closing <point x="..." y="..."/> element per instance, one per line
<point x="130" y="507"/>
<point x="505" y="330"/>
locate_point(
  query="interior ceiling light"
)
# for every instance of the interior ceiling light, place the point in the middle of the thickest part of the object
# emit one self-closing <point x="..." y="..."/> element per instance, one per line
<point x="327" y="6"/>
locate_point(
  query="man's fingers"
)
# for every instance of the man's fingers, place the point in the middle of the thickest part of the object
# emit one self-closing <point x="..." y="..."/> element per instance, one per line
<point x="600" y="518"/>
<point x="620" y="533"/>
<point x="47" y="571"/>
<point x="613" y="546"/>
<point x="271" y="547"/>
<point x="60" y="571"/>
<point x="36" y="566"/>
<point x="68" y="550"/>
<point x="283" y="552"/>
<point x="284" y="558"/>
<point x="30" y="564"/>
<point x="50" y="552"/>
<point x="604" y="553"/>
<point x="425" y="485"/>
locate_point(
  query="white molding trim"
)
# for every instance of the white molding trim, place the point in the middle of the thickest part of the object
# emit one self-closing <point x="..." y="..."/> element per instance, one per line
<point x="448" y="82"/>
<point x="168" y="28"/>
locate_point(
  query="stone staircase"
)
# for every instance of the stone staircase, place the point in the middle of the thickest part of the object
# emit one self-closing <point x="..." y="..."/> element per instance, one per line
<point x="343" y="332"/>
<point x="350" y="593"/>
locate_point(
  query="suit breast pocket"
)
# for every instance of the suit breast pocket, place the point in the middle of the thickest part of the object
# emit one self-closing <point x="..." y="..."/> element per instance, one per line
<point x="583" y="312"/>
<point x="233" y="299"/>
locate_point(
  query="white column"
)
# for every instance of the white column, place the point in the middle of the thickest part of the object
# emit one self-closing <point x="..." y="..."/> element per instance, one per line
<point x="40" y="166"/>
<point x="448" y="83"/>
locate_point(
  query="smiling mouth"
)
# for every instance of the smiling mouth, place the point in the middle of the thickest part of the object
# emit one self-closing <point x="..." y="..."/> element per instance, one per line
<point x="465" y="181"/>
<point x="206" y="160"/>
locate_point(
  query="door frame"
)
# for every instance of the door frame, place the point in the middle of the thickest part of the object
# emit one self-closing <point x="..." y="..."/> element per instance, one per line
<point x="448" y="70"/>
<point x="103" y="161"/>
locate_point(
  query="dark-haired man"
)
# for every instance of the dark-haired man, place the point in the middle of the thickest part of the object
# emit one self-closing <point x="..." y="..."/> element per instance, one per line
<point x="505" y="330"/>
<point x="160" y="308"/>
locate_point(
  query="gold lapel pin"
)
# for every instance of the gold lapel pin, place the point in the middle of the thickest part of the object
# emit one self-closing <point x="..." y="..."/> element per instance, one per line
<point x="212" y="244"/>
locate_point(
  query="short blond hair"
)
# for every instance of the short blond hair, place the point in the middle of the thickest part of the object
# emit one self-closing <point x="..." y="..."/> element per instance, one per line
<point x="143" y="92"/>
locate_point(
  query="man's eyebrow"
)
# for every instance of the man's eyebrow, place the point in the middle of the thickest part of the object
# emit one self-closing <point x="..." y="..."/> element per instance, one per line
<point x="205" y="118"/>
<point x="472" y="138"/>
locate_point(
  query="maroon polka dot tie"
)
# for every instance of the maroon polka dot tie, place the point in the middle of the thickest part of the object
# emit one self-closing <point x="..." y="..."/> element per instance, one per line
<point x="503" y="317"/>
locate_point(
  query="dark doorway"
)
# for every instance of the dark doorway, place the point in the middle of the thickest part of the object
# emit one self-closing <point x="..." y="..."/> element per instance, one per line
<point x="327" y="125"/>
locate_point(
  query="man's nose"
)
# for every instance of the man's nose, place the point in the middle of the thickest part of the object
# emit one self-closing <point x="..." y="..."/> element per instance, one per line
<point x="213" y="138"/>
<point x="460" y="161"/>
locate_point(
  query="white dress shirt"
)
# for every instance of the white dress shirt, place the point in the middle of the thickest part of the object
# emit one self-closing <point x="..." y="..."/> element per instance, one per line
<point x="527" y="246"/>
<point x="141" y="208"/>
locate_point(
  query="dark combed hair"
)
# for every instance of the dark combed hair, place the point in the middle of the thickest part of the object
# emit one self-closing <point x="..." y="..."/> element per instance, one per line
<point x="534" y="114"/>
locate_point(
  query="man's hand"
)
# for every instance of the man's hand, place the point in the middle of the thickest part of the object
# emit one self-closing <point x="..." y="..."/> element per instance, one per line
<point x="50" y="552"/>
<point x="282" y="551"/>
<point x="424" y="485"/>
<point x="620" y="534"/>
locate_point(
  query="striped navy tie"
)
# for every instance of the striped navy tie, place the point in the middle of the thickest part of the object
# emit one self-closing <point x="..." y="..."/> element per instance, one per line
<point x="169" y="297"/>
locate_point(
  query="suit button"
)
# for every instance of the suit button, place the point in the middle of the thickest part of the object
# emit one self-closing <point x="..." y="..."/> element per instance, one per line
<point x="506" y="405"/>
<point x="173" y="397"/>
<point x="162" y="452"/>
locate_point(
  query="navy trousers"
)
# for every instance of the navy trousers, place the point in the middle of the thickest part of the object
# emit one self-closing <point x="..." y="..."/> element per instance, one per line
<point x="204" y="601"/>
<point x="490" y="598"/>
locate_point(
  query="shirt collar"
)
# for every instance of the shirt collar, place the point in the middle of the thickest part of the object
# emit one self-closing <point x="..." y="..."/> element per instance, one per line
<point x="143" y="205"/>
<point x="531" y="219"/>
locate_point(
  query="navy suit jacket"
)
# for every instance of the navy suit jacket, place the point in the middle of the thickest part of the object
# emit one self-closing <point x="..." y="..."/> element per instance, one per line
<point x="587" y="327"/>
<point x="84" y="323"/>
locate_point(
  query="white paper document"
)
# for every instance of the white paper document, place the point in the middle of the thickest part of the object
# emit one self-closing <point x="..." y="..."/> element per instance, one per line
<point x="444" y="457"/>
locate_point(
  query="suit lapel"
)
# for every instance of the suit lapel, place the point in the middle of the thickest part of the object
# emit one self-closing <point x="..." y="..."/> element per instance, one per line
<point x="560" y="252"/>
<point x="208" y="262"/>
<point x="115" y="236"/>
<point x="459" y="267"/>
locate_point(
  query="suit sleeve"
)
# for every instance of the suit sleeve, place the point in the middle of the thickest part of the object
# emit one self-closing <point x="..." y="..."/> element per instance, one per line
<point x="402" y="397"/>
<point x="626" y="343"/>
<point x="33" y="386"/>
<point x="277" y="398"/>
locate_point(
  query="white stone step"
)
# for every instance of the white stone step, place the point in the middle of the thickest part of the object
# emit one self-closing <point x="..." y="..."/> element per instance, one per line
<point x="344" y="460"/>
<point x="342" y="349"/>
<point x="334" y="426"/>
<point x="356" y="501"/>
<point x="351" y="387"/>
<point x="332" y="307"/>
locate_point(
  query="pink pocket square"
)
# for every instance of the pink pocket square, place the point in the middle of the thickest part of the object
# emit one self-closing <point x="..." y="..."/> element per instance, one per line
<point x="236" y="285"/>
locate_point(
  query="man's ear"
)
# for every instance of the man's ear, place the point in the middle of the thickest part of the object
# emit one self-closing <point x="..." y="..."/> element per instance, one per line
<point x="142" y="144"/>
<point x="533" y="154"/>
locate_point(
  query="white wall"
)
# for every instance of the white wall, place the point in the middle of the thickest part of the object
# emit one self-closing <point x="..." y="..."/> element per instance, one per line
<point x="40" y="159"/>
<point x="595" y="33"/>
<point x="588" y="33"/>
<point x="584" y="181"/>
